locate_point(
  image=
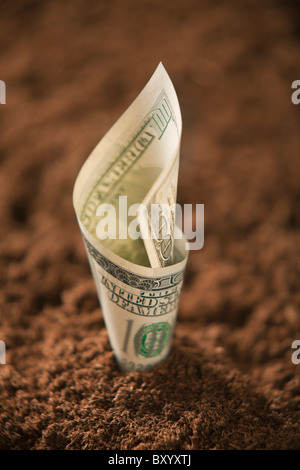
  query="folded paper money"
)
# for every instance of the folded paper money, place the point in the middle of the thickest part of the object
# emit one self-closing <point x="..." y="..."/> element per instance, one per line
<point x="124" y="198"/>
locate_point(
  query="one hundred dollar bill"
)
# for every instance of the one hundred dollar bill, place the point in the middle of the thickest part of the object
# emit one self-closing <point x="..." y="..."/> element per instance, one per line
<point x="138" y="278"/>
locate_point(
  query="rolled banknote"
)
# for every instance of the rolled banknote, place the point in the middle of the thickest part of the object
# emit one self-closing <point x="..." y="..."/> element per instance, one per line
<point x="124" y="199"/>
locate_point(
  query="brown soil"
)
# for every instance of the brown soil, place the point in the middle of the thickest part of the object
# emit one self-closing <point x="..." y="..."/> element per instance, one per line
<point x="70" y="71"/>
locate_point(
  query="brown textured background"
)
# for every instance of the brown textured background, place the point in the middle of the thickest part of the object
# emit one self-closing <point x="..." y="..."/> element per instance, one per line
<point x="71" y="68"/>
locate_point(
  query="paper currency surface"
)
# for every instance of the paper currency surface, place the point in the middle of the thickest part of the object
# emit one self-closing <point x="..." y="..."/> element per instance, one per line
<point x="138" y="280"/>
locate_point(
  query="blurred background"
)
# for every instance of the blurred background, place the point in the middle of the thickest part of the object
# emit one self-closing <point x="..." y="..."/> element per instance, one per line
<point x="71" y="68"/>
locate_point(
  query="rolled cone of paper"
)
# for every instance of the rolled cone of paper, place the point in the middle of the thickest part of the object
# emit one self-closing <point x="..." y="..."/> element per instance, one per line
<point x="138" y="280"/>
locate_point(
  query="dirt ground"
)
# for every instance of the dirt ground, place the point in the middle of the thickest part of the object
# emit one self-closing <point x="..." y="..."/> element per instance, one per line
<point x="71" y="68"/>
